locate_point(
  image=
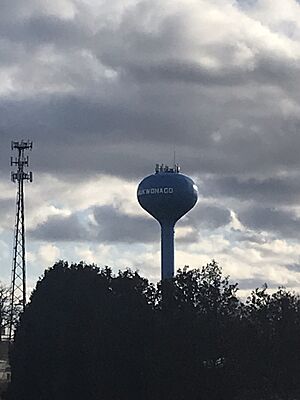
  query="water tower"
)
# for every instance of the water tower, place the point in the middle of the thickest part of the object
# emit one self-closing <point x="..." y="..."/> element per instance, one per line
<point x="167" y="195"/>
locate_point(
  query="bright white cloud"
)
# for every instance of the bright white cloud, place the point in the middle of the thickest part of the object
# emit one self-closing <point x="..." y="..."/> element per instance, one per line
<point x="49" y="253"/>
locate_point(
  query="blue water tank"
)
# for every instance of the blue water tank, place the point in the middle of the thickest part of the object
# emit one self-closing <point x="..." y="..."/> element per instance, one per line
<point x="167" y="195"/>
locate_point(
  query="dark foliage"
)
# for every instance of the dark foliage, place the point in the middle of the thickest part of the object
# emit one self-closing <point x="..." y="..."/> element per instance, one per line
<point x="87" y="334"/>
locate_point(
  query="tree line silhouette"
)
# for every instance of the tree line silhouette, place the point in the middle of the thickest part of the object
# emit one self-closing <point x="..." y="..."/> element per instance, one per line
<point x="89" y="334"/>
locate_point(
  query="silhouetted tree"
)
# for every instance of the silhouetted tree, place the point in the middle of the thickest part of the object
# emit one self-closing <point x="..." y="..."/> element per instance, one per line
<point x="194" y="332"/>
<point x="272" y="343"/>
<point x="5" y="309"/>
<point x="87" y="333"/>
<point x="83" y="335"/>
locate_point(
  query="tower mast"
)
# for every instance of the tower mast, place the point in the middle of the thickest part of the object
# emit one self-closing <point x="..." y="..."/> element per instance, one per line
<point x="18" y="275"/>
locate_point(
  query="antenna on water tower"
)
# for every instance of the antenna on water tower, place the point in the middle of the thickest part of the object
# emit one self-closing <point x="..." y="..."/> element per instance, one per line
<point x="167" y="195"/>
<point x="18" y="276"/>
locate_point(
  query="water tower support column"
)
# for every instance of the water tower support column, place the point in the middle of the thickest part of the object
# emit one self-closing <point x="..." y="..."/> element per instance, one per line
<point x="167" y="251"/>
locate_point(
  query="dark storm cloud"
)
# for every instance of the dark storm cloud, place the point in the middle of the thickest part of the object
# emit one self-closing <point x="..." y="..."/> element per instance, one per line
<point x="111" y="226"/>
<point x="114" y="226"/>
<point x="278" y="222"/>
<point x="293" y="267"/>
<point x="43" y="29"/>
<point x="162" y="55"/>
<point x="208" y="216"/>
<point x="246" y="236"/>
<point x="82" y="136"/>
<point x="38" y="30"/>
<point x="149" y="107"/>
<point x="71" y="127"/>
<point x="180" y="70"/>
<point x="31" y="28"/>
<point x="283" y="190"/>
<point x="60" y="229"/>
<point x="203" y="217"/>
<point x="6" y="205"/>
<point x="7" y="209"/>
<point x="183" y="71"/>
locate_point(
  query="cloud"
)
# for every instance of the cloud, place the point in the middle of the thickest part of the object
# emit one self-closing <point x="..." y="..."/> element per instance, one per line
<point x="248" y="236"/>
<point x="103" y="224"/>
<point x="250" y="284"/>
<point x="293" y="267"/>
<point x="59" y="228"/>
<point x="114" y="226"/>
<point x="280" y="222"/>
<point x="274" y="190"/>
<point x="48" y="253"/>
<point x="207" y="216"/>
<point x="118" y="86"/>
<point x="107" y="89"/>
<point x="109" y="224"/>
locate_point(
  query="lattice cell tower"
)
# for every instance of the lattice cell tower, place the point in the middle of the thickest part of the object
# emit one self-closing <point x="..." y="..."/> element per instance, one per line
<point x="18" y="276"/>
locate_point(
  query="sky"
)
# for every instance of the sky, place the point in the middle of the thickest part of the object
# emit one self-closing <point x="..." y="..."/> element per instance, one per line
<point x="107" y="89"/>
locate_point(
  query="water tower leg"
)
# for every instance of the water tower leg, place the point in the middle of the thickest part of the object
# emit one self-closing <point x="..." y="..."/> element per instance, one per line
<point x="167" y="251"/>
